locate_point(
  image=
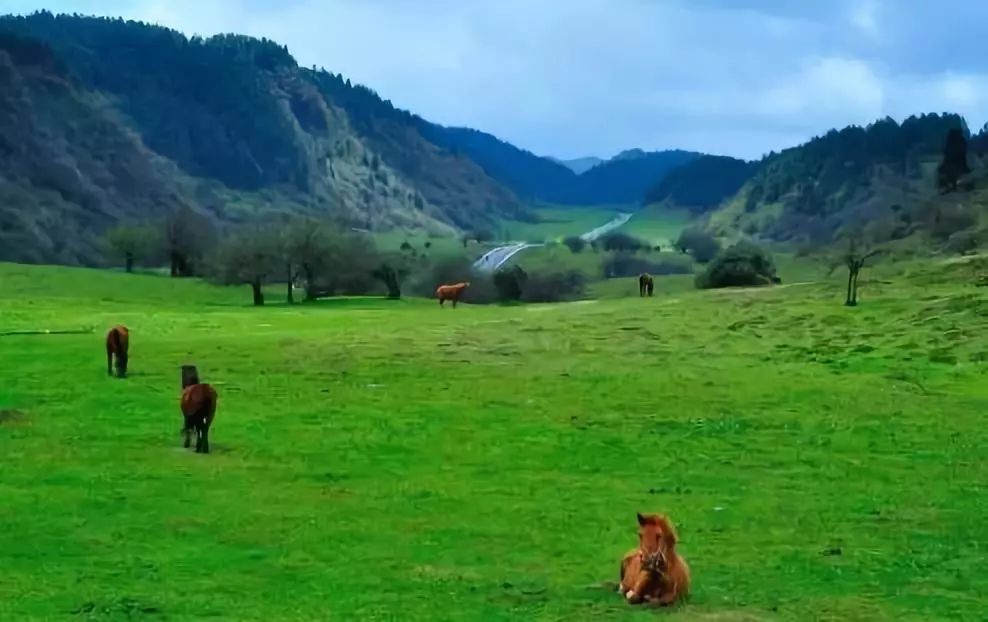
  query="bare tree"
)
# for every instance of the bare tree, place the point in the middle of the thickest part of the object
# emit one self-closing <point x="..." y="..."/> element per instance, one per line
<point x="854" y="258"/>
<point x="307" y="245"/>
<point x="187" y="236"/>
<point x="250" y="256"/>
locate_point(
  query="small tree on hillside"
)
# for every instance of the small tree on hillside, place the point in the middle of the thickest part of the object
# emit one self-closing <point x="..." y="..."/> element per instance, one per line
<point x="248" y="257"/>
<point x="854" y="258"/>
<point x="130" y="243"/>
<point x="954" y="162"/>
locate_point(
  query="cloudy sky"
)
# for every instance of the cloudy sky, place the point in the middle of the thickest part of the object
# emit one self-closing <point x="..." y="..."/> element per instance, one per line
<point x="593" y="77"/>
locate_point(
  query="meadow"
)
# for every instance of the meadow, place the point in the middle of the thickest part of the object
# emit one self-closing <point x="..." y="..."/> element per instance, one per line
<point x="379" y="459"/>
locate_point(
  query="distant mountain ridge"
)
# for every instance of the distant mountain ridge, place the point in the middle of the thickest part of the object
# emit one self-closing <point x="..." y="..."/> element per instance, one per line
<point x="702" y="184"/>
<point x="620" y="180"/>
<point x="578" y="165"/>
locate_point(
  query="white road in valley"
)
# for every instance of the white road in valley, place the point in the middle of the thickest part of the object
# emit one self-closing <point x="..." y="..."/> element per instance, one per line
<point x="497" y="257"/>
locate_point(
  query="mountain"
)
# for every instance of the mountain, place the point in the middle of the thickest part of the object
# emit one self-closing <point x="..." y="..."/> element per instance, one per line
<point x="526" y="174"/>
<point x="702" y="184"/>
<point x="623" y="180"/>
<point x="579" y="165"/>
<point x="851" y="177"/>
<point x="103" y="121"/>
<point x="620" y="180"/>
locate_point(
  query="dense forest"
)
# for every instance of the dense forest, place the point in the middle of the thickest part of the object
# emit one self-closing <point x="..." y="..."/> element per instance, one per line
<point x="702" y="184"/>
<point x="846" y="177"/>
<point x="620" y="180"/>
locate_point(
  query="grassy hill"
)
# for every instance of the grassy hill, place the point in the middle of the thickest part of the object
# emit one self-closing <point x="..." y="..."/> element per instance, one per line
<point x="378" y="459"/>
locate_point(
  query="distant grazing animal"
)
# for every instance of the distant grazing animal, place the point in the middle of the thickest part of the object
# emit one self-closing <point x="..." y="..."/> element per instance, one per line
<point x="199" y="409"/>
<point x="450" y="292"/>
<point x="654" y="572"/>
<point x="117" y="344"/>
<point x="645" y="284"/>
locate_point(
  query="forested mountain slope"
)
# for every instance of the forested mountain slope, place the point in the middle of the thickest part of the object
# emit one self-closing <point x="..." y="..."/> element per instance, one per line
<point x="104" y="120"/>
<point x="847" y="177"/>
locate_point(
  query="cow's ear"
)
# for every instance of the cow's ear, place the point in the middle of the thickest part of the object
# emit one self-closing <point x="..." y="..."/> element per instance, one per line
<point x="642" y="520"/>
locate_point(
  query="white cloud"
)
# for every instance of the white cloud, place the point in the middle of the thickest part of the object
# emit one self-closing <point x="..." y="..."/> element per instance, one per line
<point x="574" y="77"/>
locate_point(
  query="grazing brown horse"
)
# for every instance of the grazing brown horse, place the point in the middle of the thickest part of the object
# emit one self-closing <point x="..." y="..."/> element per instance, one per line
<point x="654" y="572"/>
<point x="117" y="343"/>
<point x="645" y="284"/>
<point x="198" y="408"/>
<point x="450" y="292"/>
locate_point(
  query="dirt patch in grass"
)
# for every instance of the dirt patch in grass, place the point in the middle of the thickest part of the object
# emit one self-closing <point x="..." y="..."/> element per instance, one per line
<point x="13" y="417"/>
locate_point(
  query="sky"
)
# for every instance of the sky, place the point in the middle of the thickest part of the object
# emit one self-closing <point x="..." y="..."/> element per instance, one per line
<point x="572" y="78"/>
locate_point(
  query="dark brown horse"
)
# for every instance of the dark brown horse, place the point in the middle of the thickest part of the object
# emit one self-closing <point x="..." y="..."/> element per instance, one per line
<point x="117" y="344"/>
<point x="654" y="572"/>
<point x="199" y="409"/>
<point x="645" y="284"/>
<point x="450" y="292"/>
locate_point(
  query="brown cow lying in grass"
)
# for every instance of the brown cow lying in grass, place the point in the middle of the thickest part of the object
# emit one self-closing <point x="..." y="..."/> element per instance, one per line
<point x="654" y="572"/>
<point x="450" y="292"/>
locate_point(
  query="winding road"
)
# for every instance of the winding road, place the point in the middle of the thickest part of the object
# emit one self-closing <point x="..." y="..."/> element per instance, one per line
<point x="497" y="257"/>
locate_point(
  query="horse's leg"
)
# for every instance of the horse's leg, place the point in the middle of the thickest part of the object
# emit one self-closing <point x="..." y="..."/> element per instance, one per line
<point x="455" y="300"/>
<point x="187" y="432"/>
<point x="205" y="438"/>
<point x="109" y="362"/>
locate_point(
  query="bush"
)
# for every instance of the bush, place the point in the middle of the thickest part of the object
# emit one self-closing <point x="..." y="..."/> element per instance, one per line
<point x="554" y="286"/>
<point x="510" y="283"/>
<point x="622" y="242"/>
<point x="700" y="244"/>
<point x="627" y="264"/>
<point x="575" y="243"/>
<point x="744" y="264"/>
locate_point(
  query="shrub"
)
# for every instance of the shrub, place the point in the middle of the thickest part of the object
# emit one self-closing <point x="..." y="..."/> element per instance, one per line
<point x="510" y="283"/>
<point x="554" y="286"/>
<point x="700" y="244"/>
<point x="744" y="264"/>
<point x="627" y="264"/>
<point x="575" y="243"/>
<point x="617" y="241"/>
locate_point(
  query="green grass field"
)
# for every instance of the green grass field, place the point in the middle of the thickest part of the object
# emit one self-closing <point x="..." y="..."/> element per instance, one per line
<point x="558" y="222"/>
<point x="658" y="224"/>
<point x="394" y="461"/>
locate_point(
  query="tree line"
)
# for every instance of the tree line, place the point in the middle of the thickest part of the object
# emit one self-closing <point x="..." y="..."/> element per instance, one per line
<point x="320" y="257"/>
